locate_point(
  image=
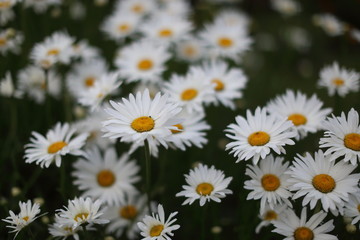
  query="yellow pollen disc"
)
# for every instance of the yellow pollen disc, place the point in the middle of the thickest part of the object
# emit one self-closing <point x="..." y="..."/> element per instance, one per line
<point x="358" y="208"/>
<point x="156" y="230"/>
<point x="26" y="218"/>
<point x="190" y="51"/>
<point x="145" y="64"/>
<point x="179" y="126"/>
<point x="165" y="33"/>
<point x="123" y="27"/>
<point x="128" y="212"/>
<point x="323" y="183"/>
<point x="89" y="81"/>
<point x="352" y="141"/>
<point x="204" y="189"/>
<point x="137" y="8"/>
<point x="297" y="119"/>
<point x="270" y="182"/>
<point x="219" y="85"/>
<point x="303" y="233"/>
<point x="143" y="124"/>
<point x="258" y="138"/>
<point x="53" y="52"/>
<point x="68" y="229"/>
<point x="56" y="146"/>
<point x="225" y="42"/>
<point x="81" y="216"/>
<point x="189" y="94"/>
<point x="2" y="42"/>
<point x="5" y="4"/>
<point x="338" y="82"/>
<point x="43" y="85"/>
<point x="270" y="215"/>
<point x="106" y="178"/>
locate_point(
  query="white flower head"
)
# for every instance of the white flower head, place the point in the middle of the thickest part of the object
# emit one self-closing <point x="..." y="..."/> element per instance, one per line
<point x="6" y="86"/>
<point x="10" y="41"/>
<point x="60" y="230"/>
<point x="286" y="7"/>
<point x="6" y="10"/>
<point x="190" y="49"/>
<point x="352" y="208"/>
<point x="270" y="215"/>
<point x="137" y="7"/>
<point x="330" y="24"/>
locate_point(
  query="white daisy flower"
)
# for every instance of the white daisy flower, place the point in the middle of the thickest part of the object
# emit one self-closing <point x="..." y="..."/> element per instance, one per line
<point x="178" y="8"/>
<point x="55" y="48"/>
<point x="286" y="7"/>
<point x="270" y="215"/>
<point x="81" y="211"/>
<point x="143" y="61"/>
<point x="10" y="41"/>
<point x="228" y="82"/>
<point x="268" y="182"/>
<point x="191" y="91"/>
<point x="258" y="134"/>
<point x="352" y="208"/>
<point x="330" y="24"/>
<point x="232" y="17"/>
<point x="83" y="51"/>
<point x="27" y="215"/>
<point x="305" y="113"/>
<point x="355" y="34"/>
<point x="105" y="177"/>
<point x="320" y="179"/>
<point x="40" y="6"/>
<point x="59" y="230"/>
<point x="342" y="137"/>
<point x="58" y="142"/>
<point x="7" y="88"/>
<point x="205" y="184"/>
<point x="156" y="227"/>
<point x="294" y="228"/>
<point x="33" y="80"/>
<point x="190" y="49"/>
<point x="339" y="80"/>
<point x="6" y="12"/>
<point x="137" y="7"/>
<point x="190" y="131"/>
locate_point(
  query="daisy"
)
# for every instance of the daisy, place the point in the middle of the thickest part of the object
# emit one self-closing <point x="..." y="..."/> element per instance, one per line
<point x="205" y="184"/>
<point x="268" y="182"/>
<point x="305" y="113"/>
<point x="105" y="177"/>
<point x="295" y="228"/>
<point x="33" y="80"/>
<point x="228" y="83"/>
<point x="352" y="208"/>
<point x="81" y="211"/>
<point x="270" y="215"/>
<point x="7" y="88"/>
<point x="330" y="24"/>
<point x="139" y="118"/>
<point x="6" y="11"/>
<point x="178" y="8"/>
<point x="190" y="49"/>
<point x="83" y="51"/>
<point x="40" y="6"/>
<point x="233" y="17"/>
<point x="339" y="80"/>
<point x="286" y="7"/>
<point x="320" y="179"/>
<point x="27" y="215"/>
<point x="142" y="60"/>
<point x="191" y="91"/>
<point x="355" y="34"/>
<point x="59" y="230"/>
<point x="58" y="142"/>
<point x="342" y="137"/>
<point x="137" y="7"/>
<point x="156" y="227"/>
<point x="10" y="41"/>
<point x="255" y="135"/>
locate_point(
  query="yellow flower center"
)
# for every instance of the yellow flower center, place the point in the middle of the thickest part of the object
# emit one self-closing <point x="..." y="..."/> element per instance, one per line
<point x="352" y="141"/>
<point x="156" y="230"/>
<point x="45" y="63"/>
<point x="270" y="215"/>
<point x="297" y="119"/>
<point x="358" y="208"/>
<point x="225" y="42"/>
<point x="189" y="94"/>
<point x="323" y="183"/>
<point x="338" y="82"/>
<point x="258" y="138"/>
<point x="166" y="32"/>
<point x="219" y="85"/>
<point x="89" y="81"/>
<point x="53" y="52"/>
<point x="106" y="178"/>
<point x="26" y="218"/>
<point x="270" y="182"/>
<point x="2" y="42"/>
<point x="81" y="216"/>
<point x="56" y="146"/>
<point x="303" y="233"/>
<point x="145" y="64"/>
<point x="5" y="4"/>
<point x="179" y="126"/>
<point x="190" y="51"/>
<point x="137" y="8"/>
<point x="128" y="212"/>
<point x="204" y="189"/>
<point x="124" y="27"/>
<point x="68" y="229"/>
<point x="143" y="124"/>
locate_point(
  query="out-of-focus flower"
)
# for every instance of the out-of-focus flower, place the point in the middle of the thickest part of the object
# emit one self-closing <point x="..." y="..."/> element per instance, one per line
<point x="190" y="49"/>
<point x="286" y="7"/>
<point x="6" y="12"/>
<point x="10" y="41"/>
<point x="270" y="215"/>
<point x="330" y="24"/>
<point x="40" y="6"/>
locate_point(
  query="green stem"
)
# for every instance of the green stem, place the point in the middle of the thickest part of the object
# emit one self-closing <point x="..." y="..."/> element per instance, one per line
<point x="63" y="180"/>
<point x="148" y="172"/>
<point x="30" y="233"/>
<point x="203" y="222"/>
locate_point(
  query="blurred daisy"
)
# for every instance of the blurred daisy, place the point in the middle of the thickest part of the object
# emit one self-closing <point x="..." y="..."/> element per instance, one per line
<point x="342" y="137"/>
<point x="139" y="118"/>
<point x="190" y="49"/>
<point x="156" y="227"/>
<point x="339" y="80"/>
<point x="205" y="184"/>
<point x="83" y="51"/>
<point x="294" y="228"/>
<point x="81" y="211"/>
<point x="33" y="80"/>
<point x="10" y="41"/>
<point x="6" y="11"/>
<point x="27" y="215"/>
<point x="330" y="24"/>
<point x="286" y="7"/>
<point x="305" y="113"/>
<point x="59" y="230"/>
<point x="228" y="83"/>
<point x="232" y="17"/>
<point x="319" y="179"/>
<point x="137" y="7"/>
<point x="58" y="142"/>
<point x="7" y="88"/>
<point x="143" y="61"/>
<point x="178" y="8"/>
<point x="190" y="91"/>
<point x="268" y="182"/>
<point x="40" y="6"/>
<point x="355" y="34"/>
<point x="270" y="215"/>
<point x="105" y="177"/>
<point x="258" y="134"/>
<point x="352" y="208"/>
